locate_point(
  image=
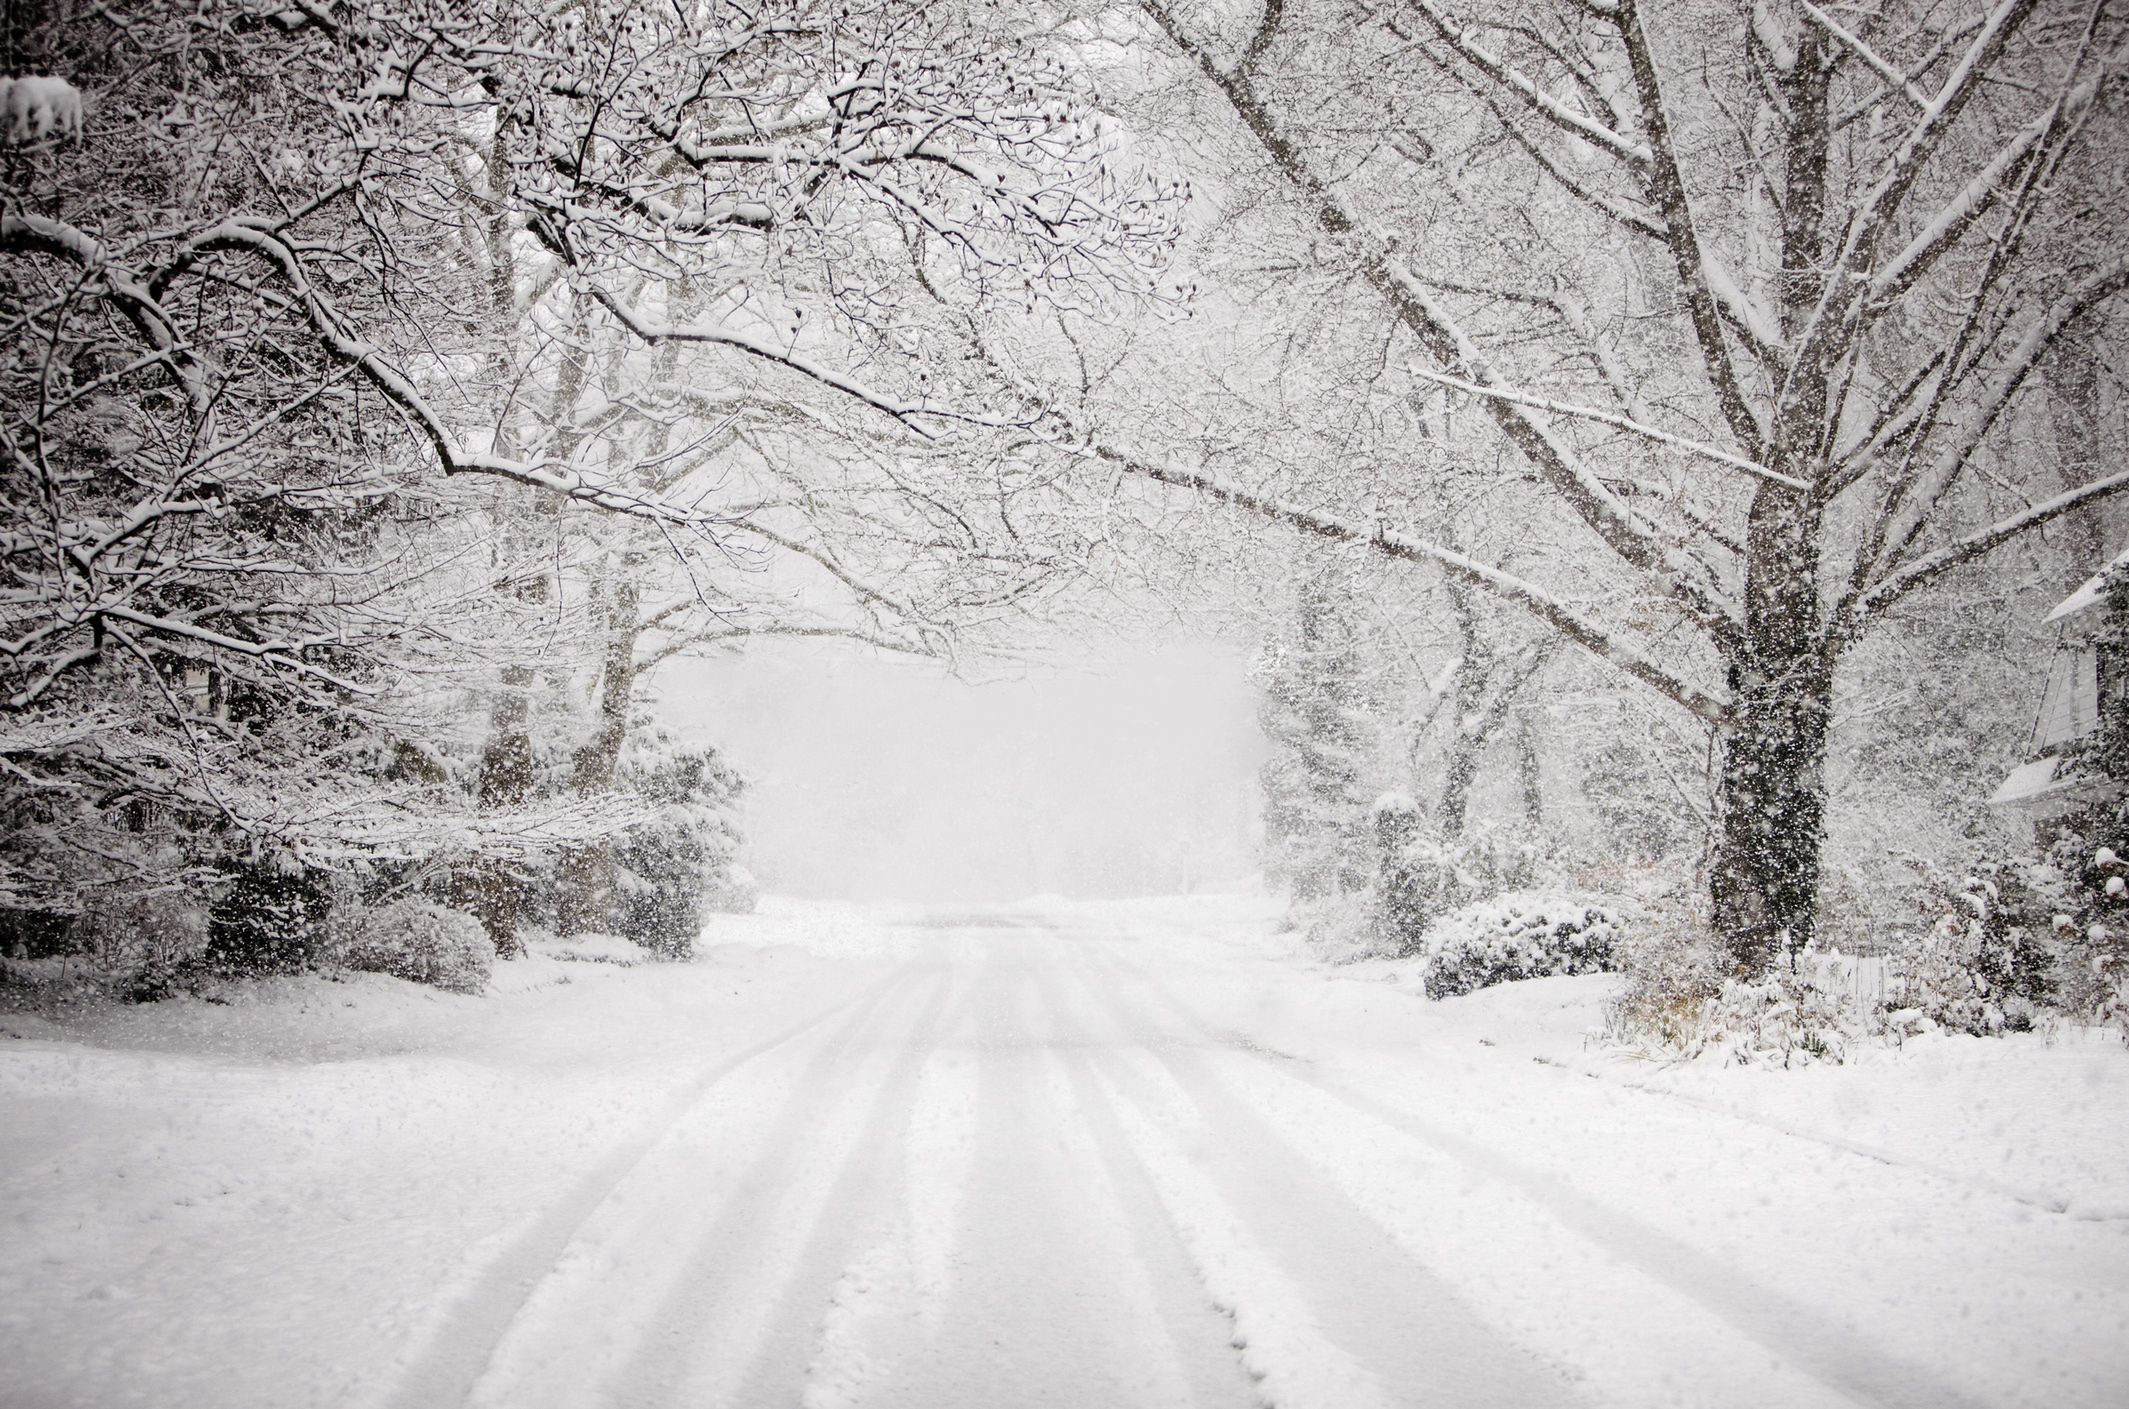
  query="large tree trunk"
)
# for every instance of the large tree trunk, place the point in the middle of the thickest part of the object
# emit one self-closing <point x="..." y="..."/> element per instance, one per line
<point x="1773" y="808"/>
<point x="1771" y="793"/>
<point x="1772" y="788"/>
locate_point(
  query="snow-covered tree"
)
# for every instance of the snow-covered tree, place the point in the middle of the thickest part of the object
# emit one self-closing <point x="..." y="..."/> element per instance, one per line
<point x="1752" y="296"/>
<point x="1319" y="717"/>
<point x="300" y="279"/>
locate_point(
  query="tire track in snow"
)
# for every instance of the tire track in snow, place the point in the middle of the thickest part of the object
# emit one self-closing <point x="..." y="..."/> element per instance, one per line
<point x="463" y="1342"/>
<point x="854" y="1262"/>
<point x="1056" y="1297"/>
<point x="591" y="1333"/>
<point x="738" y="1319"/>
<point x="1827" y="1351"/>
<point x="1330" y="1312"/>
<point x="1183" y="1257"/>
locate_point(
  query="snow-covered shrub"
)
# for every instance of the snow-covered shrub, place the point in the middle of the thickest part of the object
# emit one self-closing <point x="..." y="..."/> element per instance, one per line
<point x="1790" y="1018"/>
<point x="269" y="917"/>
<point x="1681" y="1001"/>
<point x="735" y="893"/>
<point x="2103" y="975"/>
<point x="1518" y="936"/>
<point x="36" y="106"/>
<point x="1987" y="964"/>
<point x="146" y="946"/>
<point x="664" y="869"/>
<point x="1422" y="875"/>
<point x="1672" y="974"/>
<point x="418" y="940"/>
<point x="2090" y="925"/>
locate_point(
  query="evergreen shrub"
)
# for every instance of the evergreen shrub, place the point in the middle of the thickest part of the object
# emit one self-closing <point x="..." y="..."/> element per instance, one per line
<point x="269" y="918"/>
<point x="1518" y="936"/>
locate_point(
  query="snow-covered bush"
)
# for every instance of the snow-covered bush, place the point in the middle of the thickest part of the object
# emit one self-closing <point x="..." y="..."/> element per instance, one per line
<point x="1789" y="1018"/>
<point x="1422" y="875"/>
<point x="1518" y="936"/>
<point x="2012" y="945"/>
<point x="36" y="106"/>
<point x="1987" y="964"/>
<point x="736" y="892"/>
<point x="665" y="869"/>
<point x="1672" y="974"/>
<point x="2089" y="925"/>
<point x="269" y="917"/>
<point x="146" y="946"/>
<point x="1680" y="1002"/>
<point x="418" y="940"/>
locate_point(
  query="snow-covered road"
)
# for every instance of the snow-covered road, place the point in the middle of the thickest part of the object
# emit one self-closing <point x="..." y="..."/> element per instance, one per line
<point x="1048" y="1157"/>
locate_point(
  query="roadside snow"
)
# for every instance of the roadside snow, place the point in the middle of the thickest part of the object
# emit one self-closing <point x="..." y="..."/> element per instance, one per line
<point x="1076" y="1154"/>
<point x="277" y="1199"/>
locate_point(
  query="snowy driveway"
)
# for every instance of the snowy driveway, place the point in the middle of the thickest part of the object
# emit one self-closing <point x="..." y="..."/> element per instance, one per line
<point x="1065" y="1158"/>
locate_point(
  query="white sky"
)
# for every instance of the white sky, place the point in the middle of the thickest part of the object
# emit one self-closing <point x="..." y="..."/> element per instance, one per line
<point x="1132" y="771"/>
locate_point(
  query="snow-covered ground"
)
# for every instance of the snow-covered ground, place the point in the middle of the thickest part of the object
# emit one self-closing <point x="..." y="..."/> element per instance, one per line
<point x="1071" y="1154"/>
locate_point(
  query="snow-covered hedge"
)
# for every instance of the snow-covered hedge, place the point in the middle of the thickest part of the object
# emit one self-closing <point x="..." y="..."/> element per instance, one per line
<point x="1518" y="936"/>
<point x="421" y="941"/>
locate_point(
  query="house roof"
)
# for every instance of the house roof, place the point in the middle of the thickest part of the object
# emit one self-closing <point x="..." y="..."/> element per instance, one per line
<point x="2045" y="788"/>
<point x="2027" y="780"/>
<point x="2087" y="596"/>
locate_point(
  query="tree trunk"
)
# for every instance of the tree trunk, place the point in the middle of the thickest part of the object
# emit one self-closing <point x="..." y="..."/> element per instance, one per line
<point x="1772" y="787"/>
<point x="2074" y="401"/>
<point x="1527" y="772"/>
<point x="1771" y="793"/>
<point x="488" y="887"/>
<point x="1467" y="734"/>
<point x="1773" y="806"/>
<point x="584" y="881"/>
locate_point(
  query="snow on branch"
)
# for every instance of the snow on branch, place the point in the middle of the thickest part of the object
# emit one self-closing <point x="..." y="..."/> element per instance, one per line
<point x="913" y="414"/>
<point x="1974" y="545"/>
<point x="1537" y="100"/>
<point x="1980" y="194"/>
<point x="258" y="238"/>
<point x="1984" y="411"/>
<point x="1875" y="211"/>
<point x="1899" y="81"/>
<point x="1629" y="535"/>
<point x="1689" y="253"/>
<point x="1532" y="598"/>
<point x="1625" y="423"/>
